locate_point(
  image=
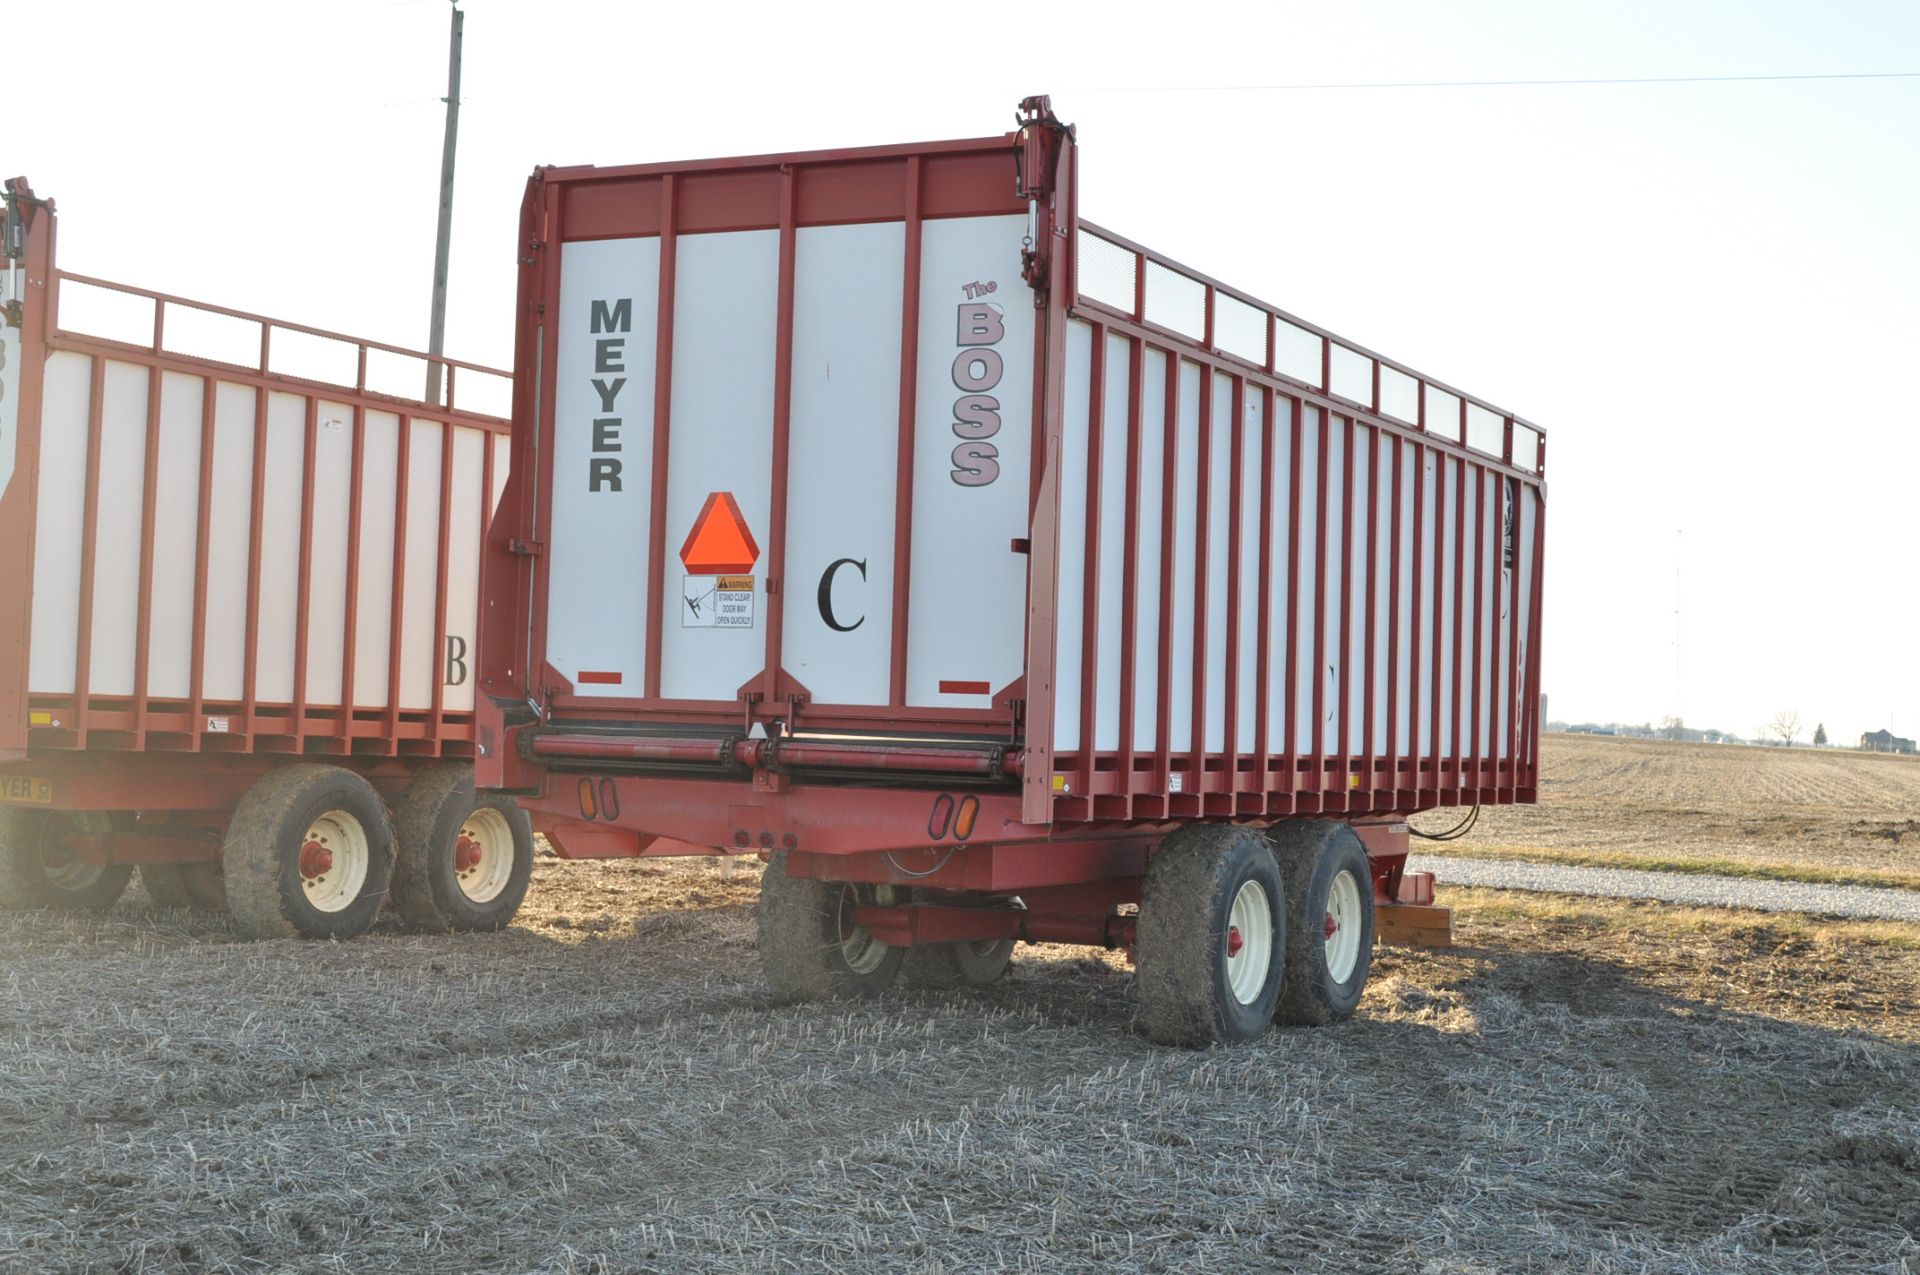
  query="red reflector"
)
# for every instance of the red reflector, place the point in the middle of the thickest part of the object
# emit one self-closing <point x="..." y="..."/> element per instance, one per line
<point x="600" y="679"/>
<point x="965" y="688"/>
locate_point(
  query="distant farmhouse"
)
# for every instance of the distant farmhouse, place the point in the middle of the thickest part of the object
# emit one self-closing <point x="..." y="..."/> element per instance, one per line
<point x="1885" y="741"/>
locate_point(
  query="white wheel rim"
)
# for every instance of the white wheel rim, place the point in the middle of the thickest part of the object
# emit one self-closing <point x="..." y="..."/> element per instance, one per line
<point x="1249" y="945"/>
<point x="333" y="860"/>
<point x="1343" y="927"/>
<point x="64" y="869"/>
<point x="862" y="952"/>
<point x="483" y="855"/>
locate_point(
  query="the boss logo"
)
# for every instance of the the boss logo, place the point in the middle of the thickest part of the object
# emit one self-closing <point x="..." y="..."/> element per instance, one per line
<point x="977" y="368"/>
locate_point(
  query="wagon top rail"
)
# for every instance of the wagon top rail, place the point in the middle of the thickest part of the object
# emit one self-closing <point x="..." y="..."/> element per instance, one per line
<point x="90" y="309"/>
<point x="1115" y="274"/>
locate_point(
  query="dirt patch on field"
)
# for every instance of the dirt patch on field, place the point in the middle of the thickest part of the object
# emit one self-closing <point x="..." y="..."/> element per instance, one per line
<point x="1582" y="1085"/>
<point x="1826" y="807"/>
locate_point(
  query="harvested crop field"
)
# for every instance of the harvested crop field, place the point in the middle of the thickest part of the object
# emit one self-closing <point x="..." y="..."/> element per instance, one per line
<point x="1585" y="1085"/>
<point x="1651" y="799"/>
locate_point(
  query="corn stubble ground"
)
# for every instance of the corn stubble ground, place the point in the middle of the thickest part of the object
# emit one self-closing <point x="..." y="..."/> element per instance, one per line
<point x="1647" y="798"/>
<point x="1581" y="1085"/>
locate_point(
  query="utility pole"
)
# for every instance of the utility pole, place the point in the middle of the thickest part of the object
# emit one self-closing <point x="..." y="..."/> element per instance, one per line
<point x="437" y="330"/>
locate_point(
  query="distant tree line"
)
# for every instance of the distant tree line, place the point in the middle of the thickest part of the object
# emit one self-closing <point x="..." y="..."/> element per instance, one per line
<point x="1783" y="731"/>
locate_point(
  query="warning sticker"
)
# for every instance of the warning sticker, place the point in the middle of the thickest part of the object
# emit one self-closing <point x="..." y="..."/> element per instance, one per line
<point x="717" y="602"/>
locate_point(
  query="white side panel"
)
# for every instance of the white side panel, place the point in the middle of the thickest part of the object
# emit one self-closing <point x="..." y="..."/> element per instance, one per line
<point x="1430" y="569"/>
<point x="1385" y="554"/>
<point x="1113" y="546"/>
<point x="379" y="503"/>
<point x="1219" y="555"/>
<point x="1070" y="623"/>
<point x="468" y="500"/>
<point x="116" y="537"/>
<point x="1523" y="564"/>
<point x="1253" y="460"/>
<point x="327" y="564"/>
<point x="229" y="523"/>
<point x="58" y="519"/>
<point x="1332" y="562"/>
<point x="502" y="466"/>
<point x="1410" y="694"/>
<point x="843" y="456"/>
<point x="1186" y="541"/>
<point x="1354" y="596"/>
<point x="1281" y="642"/>
<point x="602" y="495"/>
<point x="1503" y="686"/>
<point x="1474" y="600"/>
<point x="1490" y="609"/>
<point x="280" y="546"/>
<point x="1307" y="555"/>
<point x="725" y="318"/>
<point x="966" y="624"/>
<point x="1449" y="545"/>
<point x="419" y="660"/>
<point x="176" y="517"/>
<point x="1147" y="654"/>
<point x="9" y="404"/>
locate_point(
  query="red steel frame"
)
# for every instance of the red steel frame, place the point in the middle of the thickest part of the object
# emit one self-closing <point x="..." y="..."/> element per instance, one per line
<point x="693" y="779"/>
<point x="153" y="753"/>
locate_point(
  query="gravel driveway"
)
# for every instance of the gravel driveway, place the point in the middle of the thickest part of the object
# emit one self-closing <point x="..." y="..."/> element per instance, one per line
<point x="1676" y="887"/>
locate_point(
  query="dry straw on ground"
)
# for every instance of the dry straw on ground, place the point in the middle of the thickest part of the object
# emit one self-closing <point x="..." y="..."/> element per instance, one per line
<point x="1830" y="810"/>
<point x="1583" y="1086"/>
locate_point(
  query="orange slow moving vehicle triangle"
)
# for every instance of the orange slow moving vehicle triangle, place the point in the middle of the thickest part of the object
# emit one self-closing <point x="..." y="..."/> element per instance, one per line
<point x="720" y="543"/>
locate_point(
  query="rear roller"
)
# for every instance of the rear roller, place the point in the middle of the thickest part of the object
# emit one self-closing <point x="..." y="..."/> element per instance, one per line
<point x="309" y="854"/>
<point x="464" y="862"/>
<point x="1330" y="930"/>
<point x="39" y="870"/>
<point x="810" y="949"/>
<point x="1212" y="937"/>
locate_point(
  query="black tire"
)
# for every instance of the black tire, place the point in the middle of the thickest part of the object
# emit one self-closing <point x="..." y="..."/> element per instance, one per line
<point x="1185" y="943"/>
<point x="186" y="885"/>
<point x="36" y="873"/>
<point x="1313" y="855"/>
<point x="263" y="856"/>
<point x="944" y="966"/>
<point x="964" y="964"/>
<point x="806" y="951"/>
<point x="436" y="822"/>
<point x="164" y="885"/>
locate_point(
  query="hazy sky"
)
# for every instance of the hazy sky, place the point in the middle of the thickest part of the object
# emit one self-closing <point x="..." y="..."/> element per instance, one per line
<point x="1709" y="294"/>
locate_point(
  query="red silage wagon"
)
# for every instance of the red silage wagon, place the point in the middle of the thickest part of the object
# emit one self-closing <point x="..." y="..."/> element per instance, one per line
<point x="237" y="612"/>
<point x="994" y="577"/>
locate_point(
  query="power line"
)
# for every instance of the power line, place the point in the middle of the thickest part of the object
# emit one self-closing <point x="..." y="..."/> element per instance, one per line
<point x="1499" y="84"/>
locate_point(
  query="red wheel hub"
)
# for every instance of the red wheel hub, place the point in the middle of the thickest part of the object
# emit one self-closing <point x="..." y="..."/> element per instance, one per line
<point x="1333" y="926"/>
<point x="315" y="860"/>
<point x="466" y="854"/>
<point x="1234" y="941"/>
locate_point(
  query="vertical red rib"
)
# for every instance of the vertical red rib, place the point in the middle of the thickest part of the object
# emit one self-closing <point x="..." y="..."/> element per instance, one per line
<point x="1090" y="577"/>
<point x="782" y="441"/>
<point x="1130" y="567"/>
<point x="662" y="436"/>
<point x="403" y="466"/>
<point x="202" y="540"/>
<point x="909" y="415"/>
<point x="303" y="599"/>
<point x="89" y="538"/>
